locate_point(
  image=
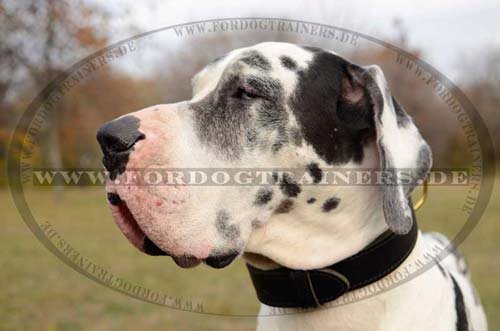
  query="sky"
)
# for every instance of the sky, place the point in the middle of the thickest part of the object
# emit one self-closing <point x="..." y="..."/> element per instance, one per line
<point x="448" y="31"/>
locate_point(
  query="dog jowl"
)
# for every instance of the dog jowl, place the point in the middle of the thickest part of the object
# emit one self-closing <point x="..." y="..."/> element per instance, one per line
<point x="272" y="105"/>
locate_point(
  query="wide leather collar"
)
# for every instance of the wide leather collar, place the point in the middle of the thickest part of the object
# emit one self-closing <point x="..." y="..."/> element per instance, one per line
<point x="290" y="288"/>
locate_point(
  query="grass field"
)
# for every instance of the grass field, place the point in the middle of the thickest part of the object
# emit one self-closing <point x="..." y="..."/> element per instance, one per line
<point x="39" y="292"/>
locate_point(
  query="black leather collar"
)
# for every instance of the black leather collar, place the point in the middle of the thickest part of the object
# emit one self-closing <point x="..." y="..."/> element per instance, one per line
<point x="289" y="288"/>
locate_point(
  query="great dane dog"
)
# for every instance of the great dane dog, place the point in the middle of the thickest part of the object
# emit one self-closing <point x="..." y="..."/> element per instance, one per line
<point x="308" y="246"/>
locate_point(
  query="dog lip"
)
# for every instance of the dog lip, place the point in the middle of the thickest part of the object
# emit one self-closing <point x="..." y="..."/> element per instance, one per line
<point x="130" y="228"/>
<point x="220" y="261"/>
<point x="150" y="248"/>
<point x="114" y="199"/>
<point x="186" y="261"/>
<point x="126" y="222"/>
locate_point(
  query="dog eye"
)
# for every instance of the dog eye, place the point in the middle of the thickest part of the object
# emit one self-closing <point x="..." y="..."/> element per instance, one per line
<point x="244" y="94"/>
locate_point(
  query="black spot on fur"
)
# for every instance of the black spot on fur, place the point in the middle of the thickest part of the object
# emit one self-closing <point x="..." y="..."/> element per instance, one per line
<point x="462" y="324"/>
<point x="288" y="62"/>
<point x="317" y="104"/>
<point x="264" y="195"/>
<point x="330" y="204"/>
<point x="315" y="172"/>
<point x="257" y="60"/>
<point x="227" y="231"/>
<point x="311" y="200"/>
<point x="289" y="187"/>
<point x="114" y="199"/>
<point x="285" y="206"/>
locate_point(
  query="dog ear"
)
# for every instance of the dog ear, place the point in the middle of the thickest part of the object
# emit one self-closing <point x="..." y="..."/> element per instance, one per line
<point x="405" y="158"/>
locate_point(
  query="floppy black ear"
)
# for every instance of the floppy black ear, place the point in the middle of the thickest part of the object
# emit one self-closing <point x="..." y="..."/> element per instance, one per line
<point x="405" y="158"/>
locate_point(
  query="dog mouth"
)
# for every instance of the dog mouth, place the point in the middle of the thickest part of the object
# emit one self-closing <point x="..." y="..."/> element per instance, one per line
<point x="128" y="225"/>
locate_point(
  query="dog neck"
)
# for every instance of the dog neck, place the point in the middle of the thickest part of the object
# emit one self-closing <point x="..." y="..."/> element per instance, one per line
<point x="315" y="287"/>
<point x="302" y="239"/>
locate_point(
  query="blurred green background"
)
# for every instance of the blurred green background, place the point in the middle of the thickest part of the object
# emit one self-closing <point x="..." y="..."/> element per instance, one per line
<point x="40" y="39"/>
<point x="39" y="292"/>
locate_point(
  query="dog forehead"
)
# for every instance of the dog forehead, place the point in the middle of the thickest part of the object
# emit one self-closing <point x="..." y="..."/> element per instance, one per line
<point x="277" y="60"/>
<point x="275" y="51"/>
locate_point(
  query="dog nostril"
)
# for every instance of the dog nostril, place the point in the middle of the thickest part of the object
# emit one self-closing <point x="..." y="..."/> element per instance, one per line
<point x="119" y="135"/>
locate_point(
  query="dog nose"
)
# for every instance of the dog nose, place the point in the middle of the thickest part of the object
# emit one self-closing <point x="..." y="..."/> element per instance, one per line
<point x="117" y="139"/>
<point x="119" y="135"/>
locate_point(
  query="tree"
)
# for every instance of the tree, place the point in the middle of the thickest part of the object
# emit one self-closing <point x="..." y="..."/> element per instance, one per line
<point x="40" y="38"/>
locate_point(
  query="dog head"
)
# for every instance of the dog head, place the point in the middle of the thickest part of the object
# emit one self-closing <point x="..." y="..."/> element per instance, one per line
<point x="271" y="106"/>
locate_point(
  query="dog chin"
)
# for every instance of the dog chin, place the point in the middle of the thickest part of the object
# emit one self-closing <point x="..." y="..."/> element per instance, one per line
<point x="128" y="225"/>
